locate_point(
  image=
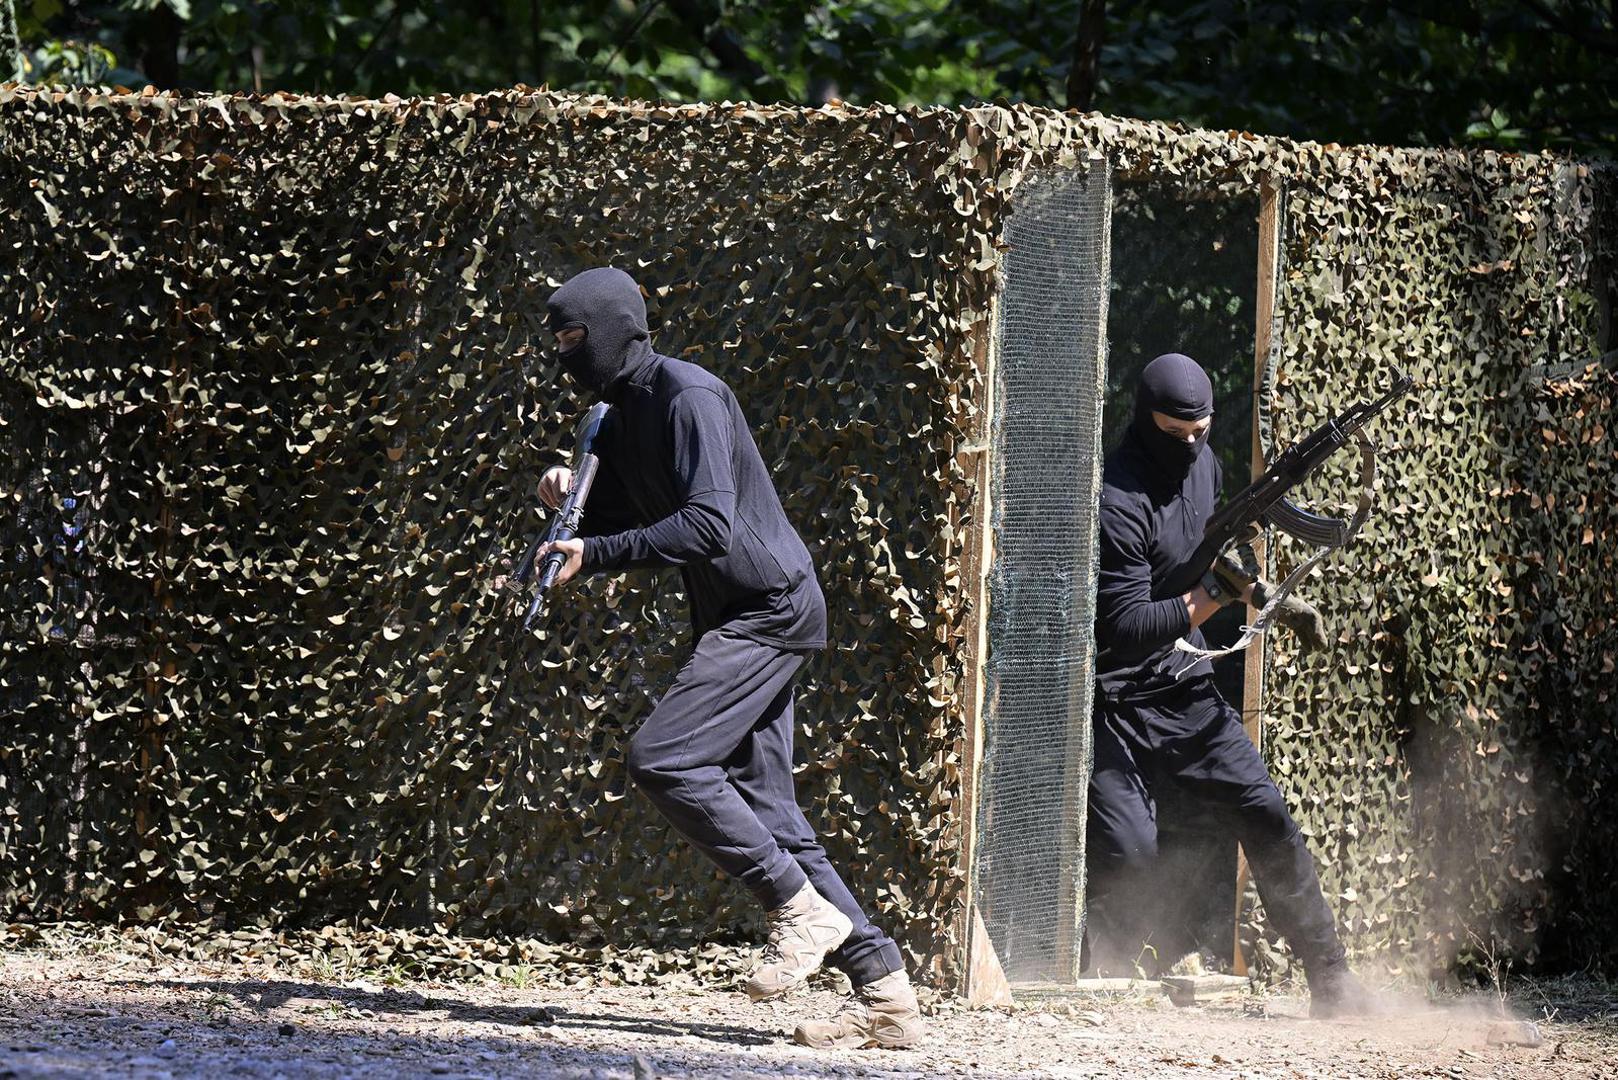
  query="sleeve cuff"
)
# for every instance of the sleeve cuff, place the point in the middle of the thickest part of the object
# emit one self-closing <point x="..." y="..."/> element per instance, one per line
<point x="1184" y="618"/>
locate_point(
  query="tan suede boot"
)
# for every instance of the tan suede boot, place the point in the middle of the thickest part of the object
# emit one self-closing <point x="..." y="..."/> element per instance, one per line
<point x="883" y="1013"/>
<point x="802" y="931"/>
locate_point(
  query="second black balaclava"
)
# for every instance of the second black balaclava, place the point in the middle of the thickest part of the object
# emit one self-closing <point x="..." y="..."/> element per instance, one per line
<point x="607" y="304"/>
<point x="1175" y="385"/>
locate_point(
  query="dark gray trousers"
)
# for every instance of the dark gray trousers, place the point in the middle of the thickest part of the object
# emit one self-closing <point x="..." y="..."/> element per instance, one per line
<point x="1184" y="752"/>
<point x="715" y="756"/>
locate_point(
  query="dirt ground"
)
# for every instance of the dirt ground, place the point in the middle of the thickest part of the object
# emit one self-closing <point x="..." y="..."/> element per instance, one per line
<point x="107" y="1010"/>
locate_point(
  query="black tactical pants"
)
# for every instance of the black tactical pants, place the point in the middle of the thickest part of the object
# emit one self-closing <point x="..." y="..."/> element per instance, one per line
<point x="715" y="756"/>
<point x="1183" y="752"/>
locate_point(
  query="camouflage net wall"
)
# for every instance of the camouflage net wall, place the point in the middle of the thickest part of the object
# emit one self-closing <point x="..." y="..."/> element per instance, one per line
<point x="267" y="437"/>
<point x="1453" y="757"/>
<point x="263" y="360"/>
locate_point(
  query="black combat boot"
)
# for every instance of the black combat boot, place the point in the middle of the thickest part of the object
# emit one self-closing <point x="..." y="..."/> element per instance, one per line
<point x="1335" y="991"/>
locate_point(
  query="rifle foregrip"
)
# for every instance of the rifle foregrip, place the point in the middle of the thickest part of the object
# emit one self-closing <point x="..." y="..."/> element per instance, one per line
<point x="549" y="569"/>
<point x="570" y="516"/>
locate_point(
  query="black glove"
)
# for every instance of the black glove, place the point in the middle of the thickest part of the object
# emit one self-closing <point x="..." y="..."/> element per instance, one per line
<point x="1231" y="576"/>
<point x="1228" y="578"/>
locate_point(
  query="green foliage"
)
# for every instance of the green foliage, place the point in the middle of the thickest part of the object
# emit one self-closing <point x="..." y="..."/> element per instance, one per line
<point x="1505" y="73"/>
<point x="70" y="63"/>
<point x="1496" y="130"/>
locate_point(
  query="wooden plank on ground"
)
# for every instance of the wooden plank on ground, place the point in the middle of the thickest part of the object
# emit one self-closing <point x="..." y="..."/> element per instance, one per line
<point x="987" y="980"/>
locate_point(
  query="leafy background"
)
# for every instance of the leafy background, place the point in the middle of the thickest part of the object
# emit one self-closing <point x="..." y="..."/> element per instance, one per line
<point x="1504" y="73"/>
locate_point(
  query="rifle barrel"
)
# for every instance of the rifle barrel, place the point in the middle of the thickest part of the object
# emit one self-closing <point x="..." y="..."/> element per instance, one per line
<point x="1290" y="468"/>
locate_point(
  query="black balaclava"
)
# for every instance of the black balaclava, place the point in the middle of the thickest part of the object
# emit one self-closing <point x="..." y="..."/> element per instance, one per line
<point x="607" y="304"/>
<point x="1175" y="385"/>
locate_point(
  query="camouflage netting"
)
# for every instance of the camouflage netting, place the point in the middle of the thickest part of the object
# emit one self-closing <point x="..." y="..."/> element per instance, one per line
<point x="266" y="439"/>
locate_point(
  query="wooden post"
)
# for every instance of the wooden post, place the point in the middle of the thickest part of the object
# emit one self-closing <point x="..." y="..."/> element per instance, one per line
<point x="985" y="981"/>
<point x="1269" y="249"/>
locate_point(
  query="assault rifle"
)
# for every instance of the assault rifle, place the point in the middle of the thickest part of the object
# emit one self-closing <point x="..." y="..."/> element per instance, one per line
<point x="567" y="518"/>
<point x="1264" y="500"/>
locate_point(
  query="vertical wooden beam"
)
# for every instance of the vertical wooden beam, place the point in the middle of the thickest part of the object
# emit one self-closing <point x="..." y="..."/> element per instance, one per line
<point x="985" y="981"/>
<point x="1269" y="251"/>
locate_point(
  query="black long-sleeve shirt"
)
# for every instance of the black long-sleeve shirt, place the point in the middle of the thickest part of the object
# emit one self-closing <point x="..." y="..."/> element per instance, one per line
<point x="682" y="484"/>
<point x="1149" y="526"/>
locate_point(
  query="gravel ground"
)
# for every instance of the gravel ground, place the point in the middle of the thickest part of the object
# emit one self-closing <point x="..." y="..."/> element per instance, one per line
<point x="105" y="1012"/>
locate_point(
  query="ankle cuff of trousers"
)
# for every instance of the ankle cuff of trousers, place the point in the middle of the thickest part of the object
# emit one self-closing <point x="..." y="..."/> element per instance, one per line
<point x="776" y="893"/>
<point x="874" y="965"/>
<point x="1332" y="957"/>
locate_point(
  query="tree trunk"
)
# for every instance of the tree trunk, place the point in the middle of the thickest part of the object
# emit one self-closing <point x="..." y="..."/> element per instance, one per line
<point x="160" y="55"/>
<point x="1085" y="71"/>
<point x="536" y="51"/>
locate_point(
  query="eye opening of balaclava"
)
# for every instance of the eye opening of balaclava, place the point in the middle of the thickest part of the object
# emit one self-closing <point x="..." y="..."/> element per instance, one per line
<point x="574" y="325"/>
<point x="1174" y="385"/>
<point x="608" y="306"/>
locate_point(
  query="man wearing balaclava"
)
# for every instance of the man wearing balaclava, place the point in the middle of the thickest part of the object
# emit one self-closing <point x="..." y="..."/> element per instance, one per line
<point x="681" y="484"/>
<point x="1163" y="735"/>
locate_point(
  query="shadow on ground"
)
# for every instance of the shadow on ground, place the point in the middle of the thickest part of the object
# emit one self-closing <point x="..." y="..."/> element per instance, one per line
<point x="164" y="1027"/>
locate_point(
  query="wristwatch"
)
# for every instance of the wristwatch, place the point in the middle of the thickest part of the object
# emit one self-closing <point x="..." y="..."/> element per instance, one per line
<point x="1216" y="588"/>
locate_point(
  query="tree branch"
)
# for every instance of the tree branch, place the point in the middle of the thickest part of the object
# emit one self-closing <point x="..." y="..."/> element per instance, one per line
<point x="630" y="31"/>
<point x="719" y="40"/>
<point x="376" y="39"/>
<point x="1606" y="40"/>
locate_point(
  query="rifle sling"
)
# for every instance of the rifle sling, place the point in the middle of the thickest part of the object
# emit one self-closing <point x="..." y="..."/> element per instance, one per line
<point x="1283" y="590"/>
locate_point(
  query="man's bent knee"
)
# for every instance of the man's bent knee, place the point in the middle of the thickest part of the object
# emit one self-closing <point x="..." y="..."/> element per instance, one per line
<point x="650" y="768"/>
<point x="1123" y="852"/>
<point x="1266" y="819"/>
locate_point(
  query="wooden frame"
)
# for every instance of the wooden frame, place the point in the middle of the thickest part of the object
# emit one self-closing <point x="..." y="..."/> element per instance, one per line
<point x="985" y="980"/>
<point x="1265" y="337"/>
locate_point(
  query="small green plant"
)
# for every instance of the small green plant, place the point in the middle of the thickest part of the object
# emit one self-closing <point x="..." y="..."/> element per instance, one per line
<point x="1140" y="968"/>
<point x="397" y="974"/>
<point x="97" y="946"/>
<point x="321" y="968"/>
<point x="517" y="976"/>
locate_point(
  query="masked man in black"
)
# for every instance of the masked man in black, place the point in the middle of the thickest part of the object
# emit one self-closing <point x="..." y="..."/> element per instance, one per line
<point x="1163" y="735"/>
<point x="682" y="484"/>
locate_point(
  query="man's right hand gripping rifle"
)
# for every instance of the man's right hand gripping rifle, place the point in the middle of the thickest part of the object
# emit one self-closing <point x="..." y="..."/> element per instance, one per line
<point x="559" y="551"/>
<point x="554" y="487"/>
<point x="1234" y="576"/>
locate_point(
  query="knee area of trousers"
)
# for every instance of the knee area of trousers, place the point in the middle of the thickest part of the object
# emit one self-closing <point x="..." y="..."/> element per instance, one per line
<point x="647" y="768"/>
<point x="1267" y="816"/>
<point x="1141" y="854"/>
<point x="800" y="847"/>
<point x="1125" y="851"/>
